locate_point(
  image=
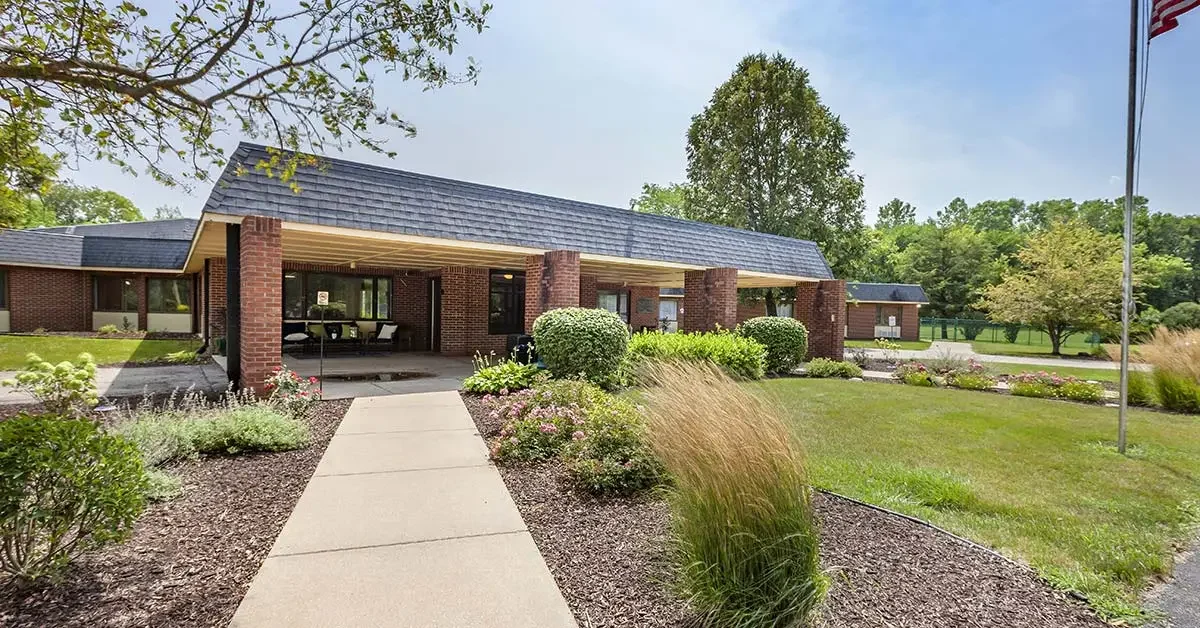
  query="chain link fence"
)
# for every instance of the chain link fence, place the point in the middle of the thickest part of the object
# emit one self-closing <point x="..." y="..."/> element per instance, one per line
<point x="978" y="330"/>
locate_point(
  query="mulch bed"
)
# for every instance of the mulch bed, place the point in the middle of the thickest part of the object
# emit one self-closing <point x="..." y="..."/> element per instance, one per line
<point x="609" y="558"/>
<point x="191" y="559"/>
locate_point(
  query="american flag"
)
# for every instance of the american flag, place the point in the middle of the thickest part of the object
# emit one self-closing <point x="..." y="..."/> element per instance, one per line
<point x="1163" y="14"/>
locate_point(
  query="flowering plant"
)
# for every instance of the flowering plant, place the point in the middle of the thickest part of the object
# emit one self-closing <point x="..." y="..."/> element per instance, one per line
<point x="294" y="395"/>
<point x="913" y="374"/>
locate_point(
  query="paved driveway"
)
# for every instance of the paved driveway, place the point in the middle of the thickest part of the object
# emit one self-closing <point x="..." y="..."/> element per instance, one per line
<point x="116" y="382"/>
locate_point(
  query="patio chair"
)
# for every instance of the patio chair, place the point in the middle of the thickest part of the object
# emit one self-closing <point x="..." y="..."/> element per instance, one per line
<point x="384" y="334"/>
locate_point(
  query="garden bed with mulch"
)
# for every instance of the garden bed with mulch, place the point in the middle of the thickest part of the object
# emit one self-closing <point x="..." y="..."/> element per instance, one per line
<point x="609" y="558"/>
<point x="191" y="559"/>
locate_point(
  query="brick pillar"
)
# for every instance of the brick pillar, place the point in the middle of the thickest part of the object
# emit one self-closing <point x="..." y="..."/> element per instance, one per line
<point x="262" y="299"/>
<point x="533" y="290"/>
<point x="821" y="306"/>
<point x="551" y="282"/>
<point x="709" y="299"/>
<point x="589" y="296"/>
<point x="215" y="292"/>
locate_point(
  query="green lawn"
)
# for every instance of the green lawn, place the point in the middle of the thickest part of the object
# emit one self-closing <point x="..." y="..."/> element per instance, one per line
<point x="1068" y="349"/>
<point x="1035" y="479"/>
<point x="911" y="345"/>
<point x="103" y="350"/>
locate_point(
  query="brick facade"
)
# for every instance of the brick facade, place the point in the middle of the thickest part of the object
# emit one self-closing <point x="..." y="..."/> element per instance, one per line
<point x="588" y="291"/>
<point x="262" y="299"/>
<point x="861" y="317"/>
<point x="50" y="299"/>
<point x="753" y="309"/>
<point x="216" y="297"/>
<point x="709" y="299"/>
<point x="643" y="319"/>
<point x="465" y="312"/>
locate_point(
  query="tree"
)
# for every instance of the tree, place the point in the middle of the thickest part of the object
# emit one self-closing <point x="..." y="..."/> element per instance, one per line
<point x="24" y="170"/>
<point x="766" y="155"/>
<point x="74" y="205"/>
<point x="664" y="200"/>
<point x="166" y="212"/>
<point x="956" y="213"/>
<point x="133" y="84"/>
<point x="896" y="213"/>
<point x="1069" y="282"/>
<point x="953" y="264"/>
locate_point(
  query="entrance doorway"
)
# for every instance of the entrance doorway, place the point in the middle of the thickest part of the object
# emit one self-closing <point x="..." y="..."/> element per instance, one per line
<point x="435" y="314"/>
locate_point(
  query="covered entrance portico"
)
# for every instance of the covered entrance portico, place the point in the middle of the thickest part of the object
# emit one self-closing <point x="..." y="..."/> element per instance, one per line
<point x="447" y="297"/>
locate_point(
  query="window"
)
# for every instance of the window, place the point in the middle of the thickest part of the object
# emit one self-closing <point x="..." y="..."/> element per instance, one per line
<point x="884" y="312"/>
<point x="3" y="290"/>
<point x="169" y="296"/>
<point x="351" y="297"/>
<point x="783" y="310"/>
<point x="114" y="294"/>
<point x="668" y="315"/>
<point x="506" y="302"/>
<point x="615" y="301"/>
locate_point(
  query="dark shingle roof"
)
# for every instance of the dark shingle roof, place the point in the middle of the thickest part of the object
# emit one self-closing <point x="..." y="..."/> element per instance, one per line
<point x="150" y="245"/>
<point x="899" y="292"/>
<point x="170" y="229"/>
<point x="360" y="196"/>
<point x="40" y="247"/>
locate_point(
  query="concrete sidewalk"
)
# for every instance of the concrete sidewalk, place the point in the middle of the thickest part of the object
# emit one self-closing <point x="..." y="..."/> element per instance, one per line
<point x="963" y="350"/>
<point x="405" y="523"/>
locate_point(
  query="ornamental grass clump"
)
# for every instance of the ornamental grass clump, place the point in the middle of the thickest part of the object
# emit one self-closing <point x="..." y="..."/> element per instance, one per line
<point x="1175" y="356"/>
<point x="743" y="534"/>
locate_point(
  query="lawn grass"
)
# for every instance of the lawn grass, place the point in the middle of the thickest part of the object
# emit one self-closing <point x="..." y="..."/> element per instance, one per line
<point x="1037" y="480"/>
<point x="1069" y="350"/>
<point x="104" y="350"/>
<point x="910" y="345"/>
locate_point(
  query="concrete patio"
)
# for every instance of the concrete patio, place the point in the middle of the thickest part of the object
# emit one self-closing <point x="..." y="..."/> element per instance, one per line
<point x="405" y="523"/>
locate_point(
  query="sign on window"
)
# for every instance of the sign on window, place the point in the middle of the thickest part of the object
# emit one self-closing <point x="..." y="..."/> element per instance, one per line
<point x="322" y="298"/>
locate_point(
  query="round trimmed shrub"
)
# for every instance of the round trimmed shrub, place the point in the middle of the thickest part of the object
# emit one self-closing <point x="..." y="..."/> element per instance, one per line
<point x="1181" y="316"/>
<point x="786" y="340"/>
<point x="577" y="341"/>
<point x="65" y="488"/>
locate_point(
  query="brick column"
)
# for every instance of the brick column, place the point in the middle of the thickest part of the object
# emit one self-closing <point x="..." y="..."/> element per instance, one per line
<point x="821" y="306"/>
<point x="709" y="299"/>
<point x="551" y="282"/>
<point x="261" y="258"/>
<point x="639" y="295"/>
<point x="465" y="312"/>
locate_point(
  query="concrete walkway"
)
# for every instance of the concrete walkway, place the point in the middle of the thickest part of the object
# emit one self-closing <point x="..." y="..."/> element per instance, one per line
<point x="405" y="523"/>
<point x="116" y="382"/>
<point x="963" y="350"/>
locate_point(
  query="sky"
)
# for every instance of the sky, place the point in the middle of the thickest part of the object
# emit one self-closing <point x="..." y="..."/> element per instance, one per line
<point x="982" y="99"/>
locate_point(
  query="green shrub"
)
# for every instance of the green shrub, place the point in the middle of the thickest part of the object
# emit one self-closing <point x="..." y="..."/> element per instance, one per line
<point x="65" y="388"/>
<point x="1077" y="390"/>
<point x="252" y="428"/>
<point x="739" y="357"/>
<point x="65" y="488"/>
<point x="913" y="374"/>
<point x="744" y="539"/>
<point x="108" y="330"/>
<point x="1140" y="390"/>
<point x="1031" y="389"/>
<point x="537" y="422"/>
<point x="583" y="342"/>
<point x="972" y="327"/>
<point x="609" y="453"/>
<point x="568" y="392"/>
<point x="1012" y="331"/>
<point x="507" y="376"/>
<point x="824" y="367"/>
<point x="970" y="380"/>
<point x="1181" y="316"/>
<point x="1176" y="392"/>
<point x="161" y="438"/>
<point x="785" y="339"/>
<point x="182" y="357"/>
<point x="295" y="396"/>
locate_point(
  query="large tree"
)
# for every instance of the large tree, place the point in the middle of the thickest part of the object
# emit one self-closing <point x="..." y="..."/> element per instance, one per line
<point x="766" y="155"/>
<point x="894" y="214"/>
<point x="664" y="200"/>
<point x="953" y="263"/>
<point x="71" y="204"/>
<point x="1069" y="281"/>
<point x="142" y="83"/>
<point x="24" y="170"/>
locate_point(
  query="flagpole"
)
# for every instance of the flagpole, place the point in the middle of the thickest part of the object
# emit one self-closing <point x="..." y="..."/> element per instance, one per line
<point x="1127" y="268"/>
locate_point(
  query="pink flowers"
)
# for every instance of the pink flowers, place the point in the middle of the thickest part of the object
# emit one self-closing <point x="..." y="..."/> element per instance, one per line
<point x="578" y="435"/>
<point x="312" y="380"/>
<point x="548" y="428"/>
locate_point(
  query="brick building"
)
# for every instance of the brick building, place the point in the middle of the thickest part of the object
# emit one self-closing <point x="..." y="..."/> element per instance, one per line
<point x="459" y="267"/>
